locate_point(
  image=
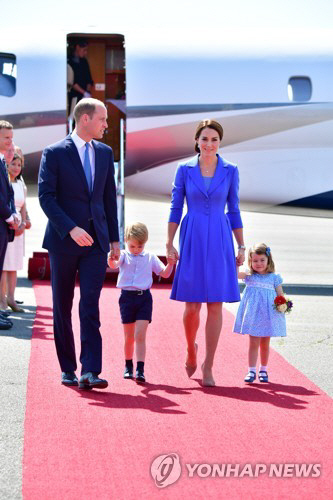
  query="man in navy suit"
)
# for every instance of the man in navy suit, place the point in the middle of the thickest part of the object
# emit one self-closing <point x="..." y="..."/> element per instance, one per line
<point x="8" y="216"/>
<point x="77" y="193"/>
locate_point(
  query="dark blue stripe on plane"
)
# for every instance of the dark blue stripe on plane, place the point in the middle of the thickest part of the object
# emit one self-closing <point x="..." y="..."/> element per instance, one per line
<point x="36" y="119"/>
<point x="183" y="109"/>
<point x="321" y="200"/>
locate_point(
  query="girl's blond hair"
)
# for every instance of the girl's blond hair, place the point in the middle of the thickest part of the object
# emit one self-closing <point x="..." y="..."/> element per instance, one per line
<point x="261" y="249"/>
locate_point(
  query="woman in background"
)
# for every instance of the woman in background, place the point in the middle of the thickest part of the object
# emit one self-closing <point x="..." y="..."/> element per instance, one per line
<point x="15" y="249"/>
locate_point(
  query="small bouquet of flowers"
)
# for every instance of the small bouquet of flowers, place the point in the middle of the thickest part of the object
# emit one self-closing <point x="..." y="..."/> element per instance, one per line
<point x="282" y="304"/>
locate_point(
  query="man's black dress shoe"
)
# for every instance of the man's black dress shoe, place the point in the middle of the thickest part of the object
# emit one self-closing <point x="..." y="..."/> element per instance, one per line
<point x="4" y="313"/>
<point x="91" y="380"/>
<point x="69" y="378"/>
<point x="6" y="320"/>
<point x="5" y="324"/>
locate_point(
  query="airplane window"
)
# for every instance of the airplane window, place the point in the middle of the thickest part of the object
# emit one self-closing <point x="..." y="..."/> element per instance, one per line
<point x="299" y="88"/>
<point x="8" y="73"/>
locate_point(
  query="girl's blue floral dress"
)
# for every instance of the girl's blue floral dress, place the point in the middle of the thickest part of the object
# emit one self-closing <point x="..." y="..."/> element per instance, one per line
<point x="256" y="315"/>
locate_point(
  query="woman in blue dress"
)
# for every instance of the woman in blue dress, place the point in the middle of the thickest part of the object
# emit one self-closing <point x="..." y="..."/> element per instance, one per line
<point x="206" y="270"/>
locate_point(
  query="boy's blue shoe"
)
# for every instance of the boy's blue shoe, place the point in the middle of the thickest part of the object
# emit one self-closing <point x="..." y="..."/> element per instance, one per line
<point x="140" y="377"/>
<point x="128" y="373"/>
<point x="250" y="377"/>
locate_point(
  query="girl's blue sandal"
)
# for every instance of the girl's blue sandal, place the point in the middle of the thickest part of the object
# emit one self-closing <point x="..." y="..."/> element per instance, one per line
<point x="250" y="377"/>
<point x="263" y="377"/>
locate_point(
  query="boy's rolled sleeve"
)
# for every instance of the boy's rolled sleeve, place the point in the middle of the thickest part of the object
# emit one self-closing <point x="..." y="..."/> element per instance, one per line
<point x="157" y="265"/>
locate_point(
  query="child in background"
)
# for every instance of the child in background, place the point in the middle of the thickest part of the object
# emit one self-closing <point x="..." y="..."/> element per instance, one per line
<point x="136" y="267"/>
<point x="256" y="315"/>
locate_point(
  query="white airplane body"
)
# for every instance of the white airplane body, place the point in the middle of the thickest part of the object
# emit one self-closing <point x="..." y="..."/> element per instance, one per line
<point x="283" y="146"/>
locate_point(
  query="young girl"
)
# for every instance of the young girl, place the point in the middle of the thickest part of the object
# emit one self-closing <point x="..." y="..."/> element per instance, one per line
<point x="256" y="315"/>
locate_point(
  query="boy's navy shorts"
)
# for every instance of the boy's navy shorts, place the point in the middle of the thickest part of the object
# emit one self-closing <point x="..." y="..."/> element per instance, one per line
<point x="135" y="304"/>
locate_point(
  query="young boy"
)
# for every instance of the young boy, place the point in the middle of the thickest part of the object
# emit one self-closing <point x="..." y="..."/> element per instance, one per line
<point x="136" y="267"/>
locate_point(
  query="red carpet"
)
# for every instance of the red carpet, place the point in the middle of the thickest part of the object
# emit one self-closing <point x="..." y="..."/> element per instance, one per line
<point x="100" y="444"/>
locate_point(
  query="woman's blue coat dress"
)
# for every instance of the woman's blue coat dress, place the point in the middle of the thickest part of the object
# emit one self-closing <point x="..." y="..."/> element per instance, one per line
<point x="206" y="271"/>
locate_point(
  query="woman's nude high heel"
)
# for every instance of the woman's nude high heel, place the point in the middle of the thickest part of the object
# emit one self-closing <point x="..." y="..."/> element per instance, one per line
<point x="207" y="381"/>
<point x="14" y="307"/>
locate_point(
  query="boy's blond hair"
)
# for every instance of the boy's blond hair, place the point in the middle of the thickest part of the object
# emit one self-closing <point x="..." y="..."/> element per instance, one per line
<point x="136" y="231"/>
<point x="261" y="249"/>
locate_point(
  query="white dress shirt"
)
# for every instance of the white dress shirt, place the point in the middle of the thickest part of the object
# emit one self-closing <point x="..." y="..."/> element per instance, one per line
<point x="136" y="271"/>
<point x="81" y="148"/>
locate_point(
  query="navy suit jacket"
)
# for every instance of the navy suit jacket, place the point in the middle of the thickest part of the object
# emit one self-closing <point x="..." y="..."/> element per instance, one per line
<point x="64" y="196"/>
<point x="7" y="205"/>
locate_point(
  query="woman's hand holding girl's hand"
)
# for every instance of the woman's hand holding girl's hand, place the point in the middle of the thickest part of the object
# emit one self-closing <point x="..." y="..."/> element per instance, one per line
<point x="240" y="257"/>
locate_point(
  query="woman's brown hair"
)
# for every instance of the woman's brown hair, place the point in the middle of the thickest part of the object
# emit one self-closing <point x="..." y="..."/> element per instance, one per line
<point x="207" y="124"/>
<point x="18" y="157"/>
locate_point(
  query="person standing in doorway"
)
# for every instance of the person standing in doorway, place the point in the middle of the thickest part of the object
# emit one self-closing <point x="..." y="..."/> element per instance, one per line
<point x="82" y="79"/>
